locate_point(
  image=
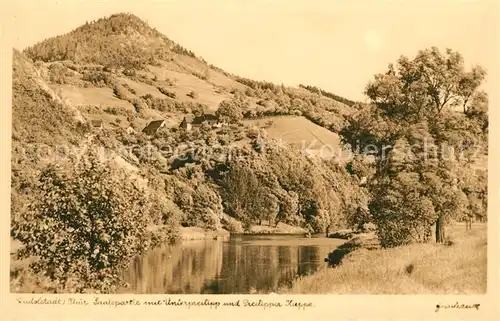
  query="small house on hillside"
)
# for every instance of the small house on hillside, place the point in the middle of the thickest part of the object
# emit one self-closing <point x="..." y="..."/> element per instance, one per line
<point x="96" y="123"/>
<point x="186" y="123"/>
<point x="153" y="127"/>
<point x="189" y="122"/>
<point x="209" y="118"/>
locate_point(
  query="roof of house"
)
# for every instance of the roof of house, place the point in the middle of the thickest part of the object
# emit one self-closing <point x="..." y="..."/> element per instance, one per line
<point x="96" y="122"/>
<point x="153" y="126"/>
<point x="206" y="117"/>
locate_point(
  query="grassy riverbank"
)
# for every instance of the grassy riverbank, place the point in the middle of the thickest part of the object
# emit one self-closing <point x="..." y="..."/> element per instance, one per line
<point x="419" y="268"/>
<point x="198" y="233"/>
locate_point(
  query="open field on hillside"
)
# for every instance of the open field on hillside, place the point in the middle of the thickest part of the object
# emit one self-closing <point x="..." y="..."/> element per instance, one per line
<point x="419" y="268"/>
<point x="184" y="83"/>
<point x="76" y="96"/>
<point x="303" y="134"/>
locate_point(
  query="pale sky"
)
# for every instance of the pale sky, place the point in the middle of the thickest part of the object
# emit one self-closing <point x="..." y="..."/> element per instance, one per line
<point x="336" y="45"/>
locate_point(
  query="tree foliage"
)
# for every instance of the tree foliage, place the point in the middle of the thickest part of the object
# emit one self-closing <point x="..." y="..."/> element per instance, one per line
<point x="413" y="192"/>
<point x="420" y="141"/>
<point x="229" y="111"/>
<point x="279" y="185"/>
<point x="424" y="86"/>
<point x="85" y="222"/>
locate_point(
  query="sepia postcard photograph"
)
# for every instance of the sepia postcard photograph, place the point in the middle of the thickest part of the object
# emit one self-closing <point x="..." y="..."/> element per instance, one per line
<point x="248" y="158"/>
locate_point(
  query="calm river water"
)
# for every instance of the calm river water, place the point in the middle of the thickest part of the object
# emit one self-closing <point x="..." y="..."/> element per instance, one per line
<point x="241" y="265"/>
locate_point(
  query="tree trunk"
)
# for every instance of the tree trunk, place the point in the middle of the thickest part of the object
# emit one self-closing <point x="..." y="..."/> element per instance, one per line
<point x="468" y="224"/>
<point x="440" y="230"/>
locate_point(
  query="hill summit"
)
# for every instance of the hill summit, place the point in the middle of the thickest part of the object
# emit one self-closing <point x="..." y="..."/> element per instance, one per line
<point x="121" y="40"/>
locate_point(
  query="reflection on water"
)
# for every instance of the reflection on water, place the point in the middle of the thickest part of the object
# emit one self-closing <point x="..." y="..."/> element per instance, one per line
<point x="241" y="265"/>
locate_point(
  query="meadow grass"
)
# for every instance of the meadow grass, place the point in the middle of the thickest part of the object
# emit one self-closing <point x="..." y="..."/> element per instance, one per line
<point x="460" y="268"/>
<point x="298" y="131"/>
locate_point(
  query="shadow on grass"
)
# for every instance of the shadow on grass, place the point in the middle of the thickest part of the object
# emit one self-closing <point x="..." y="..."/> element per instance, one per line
<point x="368" y="241"/>
<point x="334" y="258"/>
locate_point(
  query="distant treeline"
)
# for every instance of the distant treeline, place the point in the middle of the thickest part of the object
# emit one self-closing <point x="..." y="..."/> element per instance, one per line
<point x="315" y="89"/>
<point x="255" y="84"/>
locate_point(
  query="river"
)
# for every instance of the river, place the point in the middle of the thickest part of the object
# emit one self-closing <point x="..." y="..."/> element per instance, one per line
<point x="241" y="265"/>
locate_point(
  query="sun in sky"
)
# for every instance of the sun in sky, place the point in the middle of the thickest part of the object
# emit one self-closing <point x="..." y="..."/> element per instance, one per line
<point x="372" y="40"/>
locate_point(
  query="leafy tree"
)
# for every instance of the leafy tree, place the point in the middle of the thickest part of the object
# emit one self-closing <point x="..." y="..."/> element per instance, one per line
<point x="229" y="111"/>
<point x="469" y="84"/>
<point x="424" y="86"/>
<point x="320" y="192"/>
<point x="474" y="183"/>
<point x="415" y="191"/>
<point x="243" y="193"/>
<point x="166" y="216"/>
<point x="287" y="207"/>
<point x="198" y="109"/>
<point x="85" y="223"/>
<point x="479" y="104"/>
<point x="401" y="213"/>
<point x="411" y="112"/>
<point x="369" y="132"/>
<point x="477" y="110"/>
<point x="207" y="207"/>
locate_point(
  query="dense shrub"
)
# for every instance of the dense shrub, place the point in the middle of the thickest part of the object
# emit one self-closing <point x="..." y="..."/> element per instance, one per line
<point x="99" y="78"/>
<point x="229" y="111"/>
<point x="86" y="221"/>
<point x="139" y="105"/>
<point x="163" y="105"/>
<point x="193" y="94"/>
<point x="121" y="92"/>
<point x="132" y="90"/>
<point x="167" y="217"/>
<point x="111" y="110"/>
<point x="60" y="74"/>
<point x="167" y="92"/>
